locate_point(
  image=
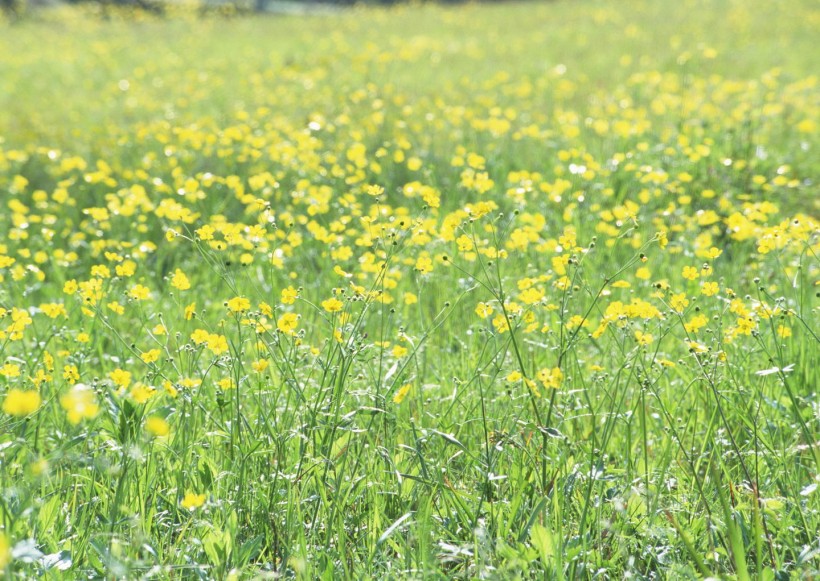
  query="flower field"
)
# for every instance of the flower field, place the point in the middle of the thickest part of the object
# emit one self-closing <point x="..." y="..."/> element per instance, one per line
<point x="504" y="291"/>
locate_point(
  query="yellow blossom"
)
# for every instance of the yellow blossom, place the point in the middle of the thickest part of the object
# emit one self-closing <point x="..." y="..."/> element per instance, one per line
<point x="551" y="378"/>
<point x="690" y="273"/>
<point x="5" y="551"/>
<point x="80" y="403"/>
<point x="401" y="393"/>
<point x="260" y="365"/>
<point x="287" y="323"/>
<point x="53" y="310"/>
<point x="21" y="403"/>
<point x="139" y="292"/>
<point x="239" y="305"/>
<point x="120" y="377"/>
<point x="157" y="426"/>
<point x="483" y="310"/>
<point x="192" y="501"/>
<point x="288" y="295"/>
<point x="10" y="370"/>
<point x="218" y="344"/>
<point x="679" y="302"/>
<point x="179" y="281"/>
<point x="71" y="374"/>
<point x="141" y="393"/>
<point x="332" y="305"/>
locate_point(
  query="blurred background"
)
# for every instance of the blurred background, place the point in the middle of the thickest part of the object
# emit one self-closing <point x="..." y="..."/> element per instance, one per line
<point x="18" y="8"/>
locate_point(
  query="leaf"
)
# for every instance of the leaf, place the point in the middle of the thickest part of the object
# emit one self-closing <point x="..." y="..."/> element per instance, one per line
<point x="808" y="489"/>
<point x="26" y="551"/>
<point x="391" y="372"/>
<point x="450" y="438"/>
<point x="535" y="512"/>
<point x="541" y="539"/>
<point x="250" y="550"/>
<point x="60" y="561"/>
<point x="392" y="528"/>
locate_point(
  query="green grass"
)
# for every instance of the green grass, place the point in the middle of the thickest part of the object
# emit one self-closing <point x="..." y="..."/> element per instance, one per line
<point x="529" y="374"/>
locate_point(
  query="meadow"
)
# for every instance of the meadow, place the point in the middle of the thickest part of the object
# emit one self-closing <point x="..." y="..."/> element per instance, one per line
<point x="504" y="291"/>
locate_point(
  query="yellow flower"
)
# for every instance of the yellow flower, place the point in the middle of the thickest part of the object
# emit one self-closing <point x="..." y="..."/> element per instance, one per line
<point x="266" y="309"/>
<point x="21" y="403"/>
<point x="5" y="551"/>
<point x="710" y="288"/>
<point x="696" y="323"/>
<point x="126" y="269"/>
<point x="169" y="388"/>
<point x="120" y="378"/>
<point x="239" y="305"/>
<point x="80" y="403"/>
<point x="179" y="281"/>
<point x="288" y="295"/>
<point x="157" y="426"/>
<point x="190" y="311"/>
<point x="287" y="323"/>
<point x="679" y="302"/>
<point x="501" y="324"/>
<point x="218" y="344"/>
<point x="402" y="393"/>
<point x="151" y="356"/>
<point x="696" y="347"/>
<point x="424" y="265"/>
<point x="260" y="365"/>
<point x="332" y="305"/>
<point x="200" y="336"/>
<point x="483" y="310"/>
<point x="139" y="292"/>
<point x="141" y="393"/>
<point x="551" y="378"/>
<point x="40" y="377"/>
<point x="71" y="374"/>
<point x="10" y="370"/>
<point x="206" y="232"/>
<point x="690" y="273"/>
<point x="745" y="325"/>
<point x="531" y="296"/>
<point x="53" y="310"/>
<point x="192" y="501"/>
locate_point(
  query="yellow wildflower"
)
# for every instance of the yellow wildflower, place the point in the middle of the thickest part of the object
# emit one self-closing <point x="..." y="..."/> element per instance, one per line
<point x="21" y="403"/>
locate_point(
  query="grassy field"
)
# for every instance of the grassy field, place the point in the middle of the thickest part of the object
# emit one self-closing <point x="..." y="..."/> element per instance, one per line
<point x="524" y="290"/>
